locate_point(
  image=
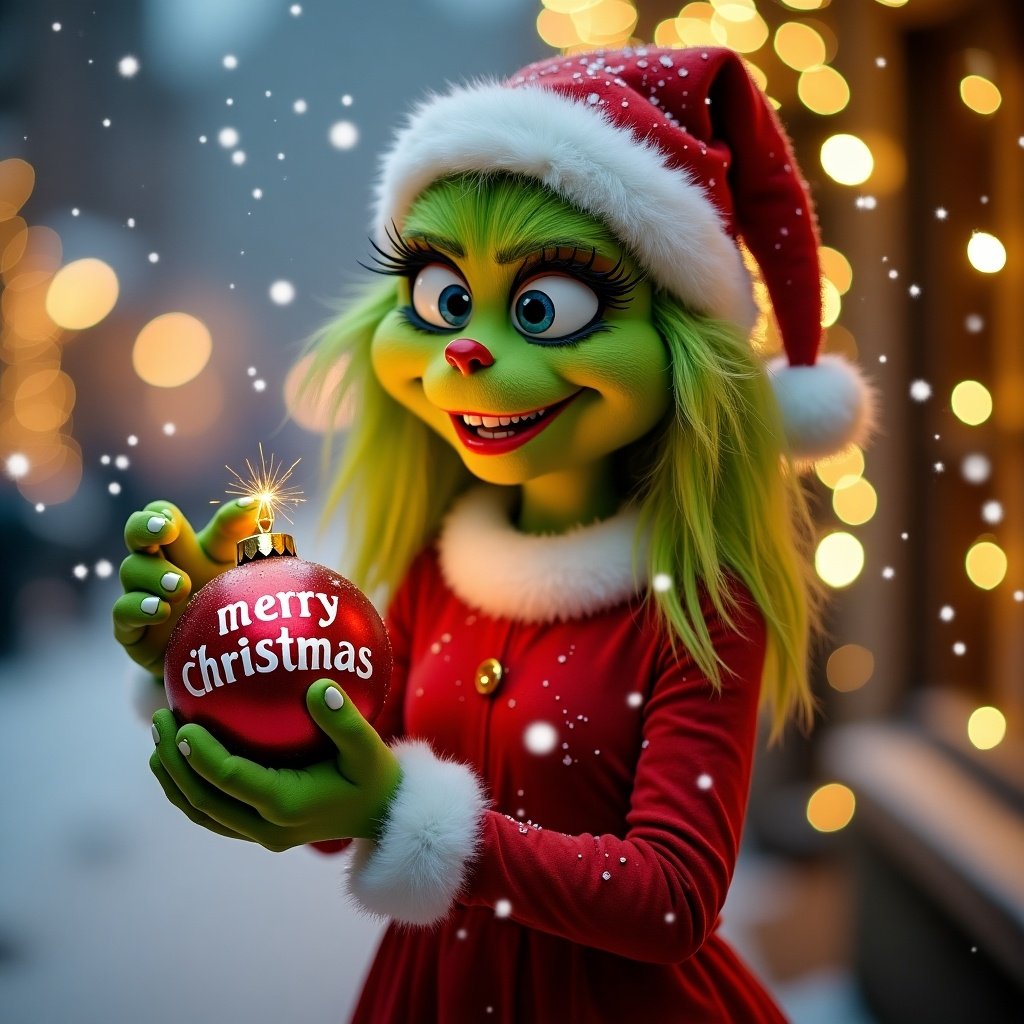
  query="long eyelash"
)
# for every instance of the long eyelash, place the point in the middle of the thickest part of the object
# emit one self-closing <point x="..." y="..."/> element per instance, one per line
<point x="613" y="286"/>
<point x="404" y="260"/>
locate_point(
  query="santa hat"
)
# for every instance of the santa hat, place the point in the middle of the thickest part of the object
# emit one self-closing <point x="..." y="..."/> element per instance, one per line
<point x="681" y="155"/>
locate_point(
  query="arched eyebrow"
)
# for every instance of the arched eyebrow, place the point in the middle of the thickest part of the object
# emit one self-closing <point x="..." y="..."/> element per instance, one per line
<point x="530" y="246"/>
<point x="441" y="244"/>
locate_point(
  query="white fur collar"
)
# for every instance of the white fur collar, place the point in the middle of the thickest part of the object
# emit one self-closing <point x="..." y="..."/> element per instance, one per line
<point x="490" y="565"/>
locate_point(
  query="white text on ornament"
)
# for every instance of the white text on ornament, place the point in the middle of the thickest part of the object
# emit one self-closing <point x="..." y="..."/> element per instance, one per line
<point x="233" y="616"/>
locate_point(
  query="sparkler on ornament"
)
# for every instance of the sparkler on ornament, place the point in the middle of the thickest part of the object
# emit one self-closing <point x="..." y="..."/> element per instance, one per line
<point x="267" y="486"/>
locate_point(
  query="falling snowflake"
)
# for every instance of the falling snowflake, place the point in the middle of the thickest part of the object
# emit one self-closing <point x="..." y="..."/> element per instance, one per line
<point x="540" y="738"/>
<point x="295" y="10"/>
<point x="133" y="440"/>
<point x="282" y="292"/>
<point x="880" y="62"/>
<point x="103" y="568"/>
<point x="300" y="106"/>
<point x="634" y="700"/>
<point x="976" y="468"/>
<point x="959" y="648"/>
<point x="17" y="465"/>
<point x="80" y="571"/>
<point x="914" y="291"/>
<point x="169" y="429"/>
<point x="230" y="61"/>
<point x="502" y="908"/>
<point x="941" y="213"/>
<point x="346" y="100"/>
<point x="128" y="66"/>
<point x="974" y="323"/>
<point x="661" y="582"/>
<point x="238" y="157"/>
<point x="228" y="137"/>
<point x="154" y="257"/>
<point x="259" y="384"/>
<point x="343" y="135"/>
<point x="114" y="488"/>
<point x="920" y="390"/>
<point x="946" y="613"/>
<point x="704" y="781"/>
<point x="121" y="462"/>
<point x="888" y="572"/>
<point x="992" y="512"/>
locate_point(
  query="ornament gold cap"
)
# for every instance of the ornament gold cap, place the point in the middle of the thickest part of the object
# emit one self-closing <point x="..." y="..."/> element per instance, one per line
<point x="265" y="545"/>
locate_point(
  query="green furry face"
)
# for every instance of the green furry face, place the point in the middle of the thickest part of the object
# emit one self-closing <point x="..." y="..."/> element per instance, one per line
<point x="523" y="333"/>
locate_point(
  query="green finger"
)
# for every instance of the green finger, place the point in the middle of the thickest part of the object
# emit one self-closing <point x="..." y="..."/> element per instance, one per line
<point x="264" y="789"/>
<point x="233" y="521"/>
<point x="204" y="797"/>
<point x="361" y="751"/>
<point x="136" y="610"/>
<point x="181" y="546"/>
<point x="177" y="798"/>
<point x="152" y="527"/>
<point x="157" y="576"/>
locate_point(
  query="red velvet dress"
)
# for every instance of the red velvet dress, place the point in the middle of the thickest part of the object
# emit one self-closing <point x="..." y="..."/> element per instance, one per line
<point x="618" y="783"/>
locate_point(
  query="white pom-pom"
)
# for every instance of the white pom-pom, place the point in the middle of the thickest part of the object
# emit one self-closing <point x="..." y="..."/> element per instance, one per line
<point x="825" y="407"/>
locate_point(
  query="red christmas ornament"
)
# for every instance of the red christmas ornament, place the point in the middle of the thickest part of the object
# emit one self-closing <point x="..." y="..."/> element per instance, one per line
<point x="251" y="642"/>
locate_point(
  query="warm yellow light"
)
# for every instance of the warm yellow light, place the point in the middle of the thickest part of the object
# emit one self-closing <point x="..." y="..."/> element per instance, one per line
<point x="607" y="22"/>
<point x="742" y="36"/>
<point x="837" y="468"/>
<point x="557" y="29"/>
<point x="735" y="10"/>
<point x="823" y="90"/>
<point x="847" y="159"/>
<point x="171" y="349"/>
<point x="805" y="5"/>
<point x="44" y="400"/>
<point x="855" y="502"/>
<point x="82" y="294"/>
<point x="831" y="303"/>
<point x="314" y="409"/>
<point x="799" y="45"/>
<point x="986" y="564"/>
<point x="836" y="267"/>
<point x="986" y="727"/>
<point x="849" y="667"/>
<point x="23" y="307"/>
<point x="665" y="33"/>
<point x="986" y="253"/>
<point x="41" y="251"/>
<point x="16" y="181"/>
<point x="893" y="3"/>
<point x="981" y="95"/>
<point x="695" y="26"/>
<point x="839" y="559"/>
<point x="831" y="807"/>
<point x="971" y="402"/>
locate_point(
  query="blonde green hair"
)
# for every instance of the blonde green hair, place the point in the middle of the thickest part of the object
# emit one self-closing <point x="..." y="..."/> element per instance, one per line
<point x="718" y="498"/>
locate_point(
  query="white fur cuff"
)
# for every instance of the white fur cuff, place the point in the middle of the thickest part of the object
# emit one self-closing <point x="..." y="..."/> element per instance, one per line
<point x="825" y="407"/>
<point x="415" y="870"/>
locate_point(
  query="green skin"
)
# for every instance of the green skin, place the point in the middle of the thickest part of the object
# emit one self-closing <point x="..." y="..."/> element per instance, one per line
<point x="565" y="478"/>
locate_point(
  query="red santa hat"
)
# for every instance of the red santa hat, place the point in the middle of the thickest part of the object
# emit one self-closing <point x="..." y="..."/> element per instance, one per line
<point x="681" y="155"/>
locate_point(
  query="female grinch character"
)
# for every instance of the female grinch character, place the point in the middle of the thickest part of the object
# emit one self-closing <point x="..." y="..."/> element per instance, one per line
<point x="551" y="803"/>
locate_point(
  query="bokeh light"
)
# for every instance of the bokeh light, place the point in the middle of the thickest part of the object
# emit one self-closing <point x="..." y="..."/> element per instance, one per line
<point x="986" y="727"/>
<point x="831" y="807"/>
<point x="846" y="159"/>
<point x="980" y="95"/>
<point x="986" y="253"/>
<point x="849" y="667"/>
<point x="314" y="408"/>
<point x="81" y="294"/>
<point x="971" y="402"/>
<point x="854" y="501"/>
<point x="986" y="564"/>
<point x="171" y="349"/>
<point x="848" y="463"/>
<point x="831" y="303"/>
<point x="799" y="45"/>
<point x="836" y="267"/>
<point x="17" y="179"/>
<point x="823" y="90"/>
<point x="839" y="559"/>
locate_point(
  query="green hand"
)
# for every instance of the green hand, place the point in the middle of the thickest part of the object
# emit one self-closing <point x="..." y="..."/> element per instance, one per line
<point x="168" y="561"/>
<point x="343" y="798"/>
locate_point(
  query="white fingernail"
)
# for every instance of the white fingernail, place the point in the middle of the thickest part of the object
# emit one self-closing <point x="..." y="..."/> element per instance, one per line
<point x="150" y="605"/>
<point x="333" y="698"/>
<point x="245" y="502"/>
<point x="156" y="524"/>
<point x="169" y="581"/>
<point x="166" y="513"/>
<point x="156" y="733"/>
<point x="184" y="747"/>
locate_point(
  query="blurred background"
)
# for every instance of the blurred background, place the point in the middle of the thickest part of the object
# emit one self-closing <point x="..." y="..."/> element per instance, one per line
<point x="184" y="192"/>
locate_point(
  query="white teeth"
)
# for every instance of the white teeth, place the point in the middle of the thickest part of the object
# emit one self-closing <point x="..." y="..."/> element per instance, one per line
<point x="491" y="421"/>
<point x="472" y="421"/>
<point x="495" y="435"/>
<point x="540" y="412"/>
<point x="504" y="420"/>
<point x="516" y="419"/>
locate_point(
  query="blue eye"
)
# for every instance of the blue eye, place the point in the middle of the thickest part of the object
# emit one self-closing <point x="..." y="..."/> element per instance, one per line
<point x="554" y="306"/>
<point x="441" y="297"/>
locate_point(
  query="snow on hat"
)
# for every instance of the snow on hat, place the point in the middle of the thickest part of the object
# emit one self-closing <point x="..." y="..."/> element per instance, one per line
<point x="681" y="155"/>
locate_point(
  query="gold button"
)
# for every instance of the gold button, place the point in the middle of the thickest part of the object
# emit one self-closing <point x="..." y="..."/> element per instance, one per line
<point x="488" y="676"/>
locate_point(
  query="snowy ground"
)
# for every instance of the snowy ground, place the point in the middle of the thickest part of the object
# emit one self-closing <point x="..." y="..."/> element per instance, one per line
<point x="108" y="896"/>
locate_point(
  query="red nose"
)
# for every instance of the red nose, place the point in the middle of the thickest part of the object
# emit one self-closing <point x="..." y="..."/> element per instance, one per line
<point x="467" y="356"/>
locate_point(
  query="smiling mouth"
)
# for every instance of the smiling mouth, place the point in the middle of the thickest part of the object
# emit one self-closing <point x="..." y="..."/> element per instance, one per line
<point x="494" y="434"/>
